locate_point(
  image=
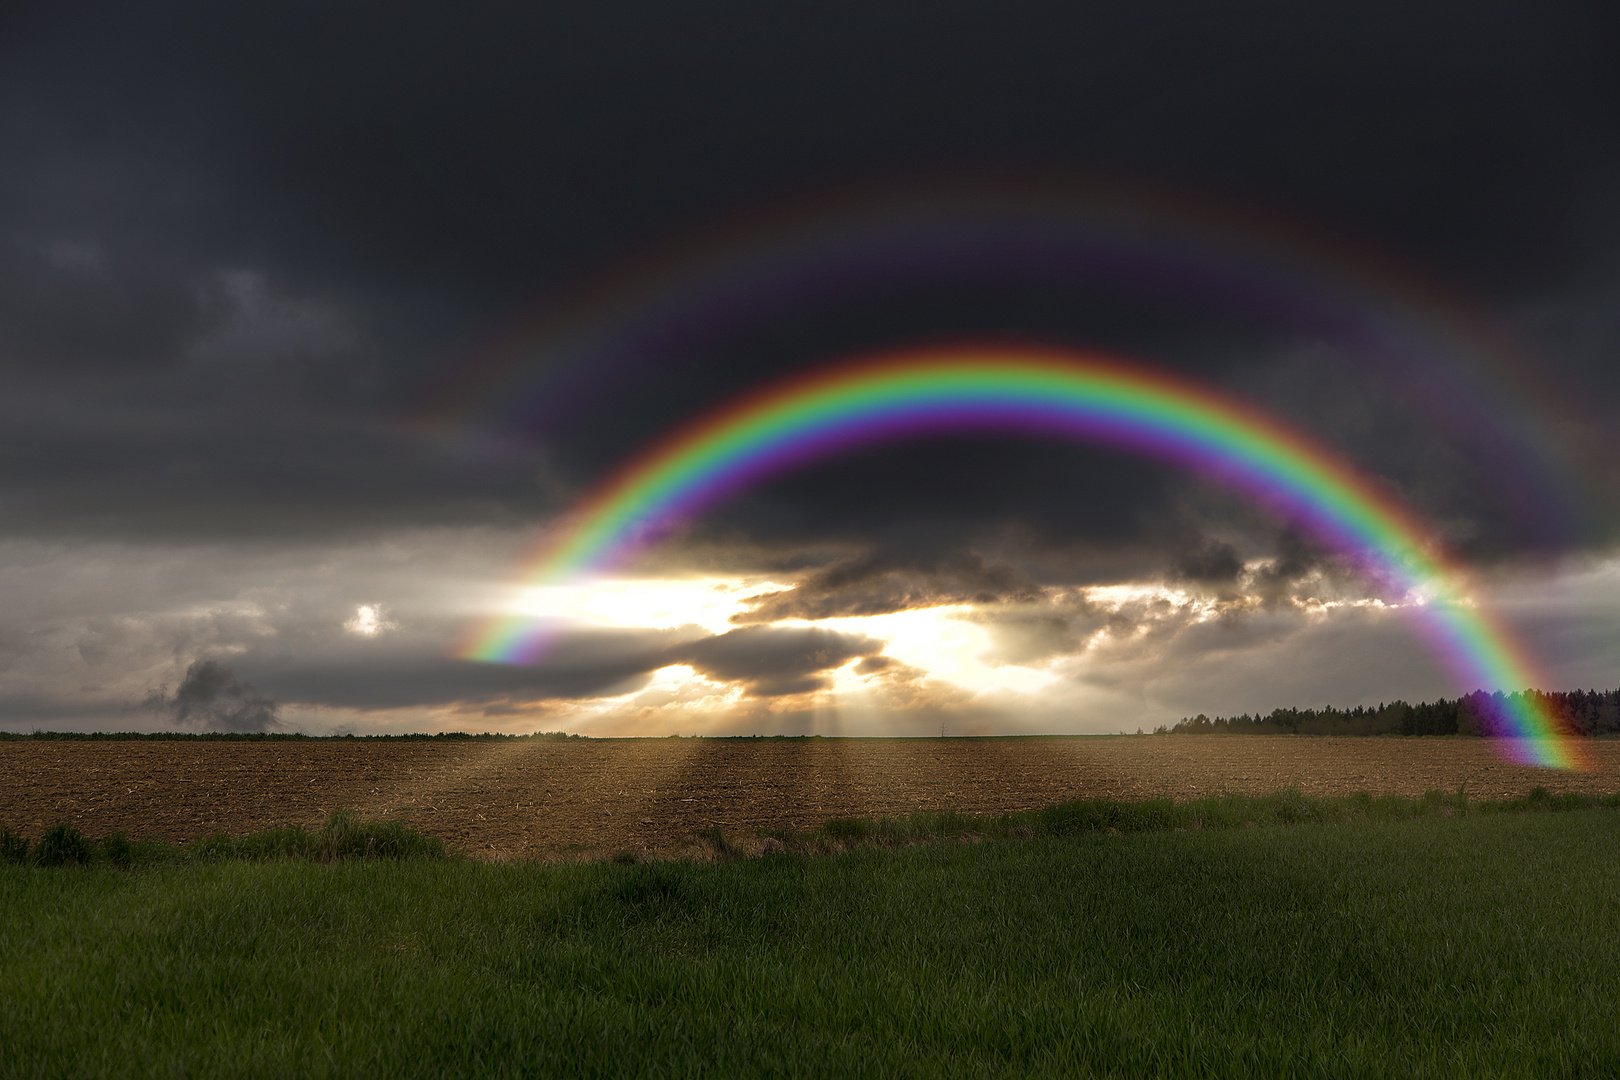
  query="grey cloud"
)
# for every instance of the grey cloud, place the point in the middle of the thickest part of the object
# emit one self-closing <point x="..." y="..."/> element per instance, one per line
<point x="773" y="661"/>
<point x="1247" y="608"/>
<point x="71" y="305"/>
<point x="1030" y="633"/>
<point x="1299" y="568"/>
<point x="1463" y="452"/>
<point x="1303" y="571"/>
<point x="261" y="325"/>
<point x="1211" y="562"/>
<point x="219" y="457"/>
<point x="891" y="579"/>
<point x="94" y="626"/>
<point x="369" y="674"/>
<point x="377" y="674"/>
<point x="214" y="699"/>
<point x="1360" y="656"/>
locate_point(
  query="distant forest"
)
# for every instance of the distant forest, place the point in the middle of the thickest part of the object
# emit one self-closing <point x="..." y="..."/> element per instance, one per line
<point x="1587" y="712"/>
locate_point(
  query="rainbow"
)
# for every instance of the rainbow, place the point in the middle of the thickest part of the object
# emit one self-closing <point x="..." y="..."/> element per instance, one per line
<point x="1068" y="395"/>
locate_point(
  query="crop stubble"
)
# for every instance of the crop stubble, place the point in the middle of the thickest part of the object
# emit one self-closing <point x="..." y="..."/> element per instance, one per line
<point x="518" y="799"/>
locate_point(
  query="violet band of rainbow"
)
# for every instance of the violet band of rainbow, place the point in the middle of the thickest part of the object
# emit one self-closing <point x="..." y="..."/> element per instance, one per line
<point x="1064" y="394"/>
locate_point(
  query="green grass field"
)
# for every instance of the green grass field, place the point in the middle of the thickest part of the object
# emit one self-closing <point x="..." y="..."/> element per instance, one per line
<point x="1403" y="943"/>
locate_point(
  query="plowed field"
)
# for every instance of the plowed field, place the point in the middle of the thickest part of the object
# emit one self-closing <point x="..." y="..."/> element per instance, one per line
<point x="519" y="799"/>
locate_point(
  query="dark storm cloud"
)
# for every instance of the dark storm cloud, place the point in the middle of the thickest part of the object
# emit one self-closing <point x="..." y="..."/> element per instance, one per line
<point x="890" y="579"/>
<point x="389" y="674"/>
<point x="872" y="665"/>
<point x="1210" y="562"/>
<point x="474" y="128"/>
<point x="242" y="246"/>
<point x="74" y="305"/>
<point x="400" y="670"/>
<point x="1297" y="559"/>
<point x="212" y="698"/>
<point x="1296" y="569"/>
<point x="925" y="575"/>
<point x="772" y="661"/>
<point x="1210" y="600"/>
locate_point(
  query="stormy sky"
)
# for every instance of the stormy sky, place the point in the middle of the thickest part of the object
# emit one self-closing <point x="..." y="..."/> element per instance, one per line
<point x="314" y="318"/>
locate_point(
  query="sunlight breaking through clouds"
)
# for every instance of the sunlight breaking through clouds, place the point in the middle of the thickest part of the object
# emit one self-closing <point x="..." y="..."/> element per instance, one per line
<point x="946" y="646"/>
<point x="656" y="603"/>
<point x="368" y="621"/>
<point x="1035" y="653"/>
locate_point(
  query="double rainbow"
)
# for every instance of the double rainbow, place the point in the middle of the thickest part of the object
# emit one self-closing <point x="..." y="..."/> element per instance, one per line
<point x="1064" y="394"/>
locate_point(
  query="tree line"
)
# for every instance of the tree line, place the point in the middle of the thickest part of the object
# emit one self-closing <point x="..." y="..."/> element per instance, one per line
<point x="1585" y="712"/>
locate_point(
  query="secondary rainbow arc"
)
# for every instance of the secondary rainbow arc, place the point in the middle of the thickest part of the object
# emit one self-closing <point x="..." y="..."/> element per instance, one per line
<point x="1068" y="395"/>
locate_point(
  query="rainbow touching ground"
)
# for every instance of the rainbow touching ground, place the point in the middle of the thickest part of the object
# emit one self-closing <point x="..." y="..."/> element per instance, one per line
<point x="1064" y="394"/>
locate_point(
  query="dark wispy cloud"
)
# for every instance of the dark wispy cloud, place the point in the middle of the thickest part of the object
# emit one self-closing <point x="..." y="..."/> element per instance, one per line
<point x="1209" y="562"/>
<point x="368" y="676"/>
<point x="68" y="306"/>
<point x="212" y="698"/>
<point x="891" y="579"/>
<point x="772" y="661"/>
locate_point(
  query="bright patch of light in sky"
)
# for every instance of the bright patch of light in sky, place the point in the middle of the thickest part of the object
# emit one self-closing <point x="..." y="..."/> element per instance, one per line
<point x="675" y="693"/>
<point x="1117" y="596"/>
<point x="952" y="646"/>
<point x="657" y="604"/>
<point x="941" y="642"/>
<point x="937" y="640"/>
<point x="368" y="621"/>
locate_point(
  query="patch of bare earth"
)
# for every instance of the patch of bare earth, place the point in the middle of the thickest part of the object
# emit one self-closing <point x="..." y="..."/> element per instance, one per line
<point x="528" y="799"/>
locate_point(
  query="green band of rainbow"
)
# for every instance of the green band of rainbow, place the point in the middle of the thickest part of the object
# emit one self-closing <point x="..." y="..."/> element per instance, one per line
<point x="1069" y="395"/>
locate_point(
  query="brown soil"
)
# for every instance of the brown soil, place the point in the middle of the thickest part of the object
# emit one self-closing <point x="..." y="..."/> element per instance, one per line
<point x="525" y="799"/>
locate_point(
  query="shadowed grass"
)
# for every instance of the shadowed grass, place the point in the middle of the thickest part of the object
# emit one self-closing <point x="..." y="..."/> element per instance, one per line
<point x="343" y="836"/>
<point x="62" y="845"/>
<point x="1232" y="811"/>
<point x="13" y="846"/>
<point x="1404" y="944"/>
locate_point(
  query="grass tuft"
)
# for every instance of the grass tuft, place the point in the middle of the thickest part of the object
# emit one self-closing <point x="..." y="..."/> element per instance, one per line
<point x="719" y="843"/>
<point x="117" y="849"/>
<point x="62" y="845"/>
<point x="343" y="836"/>
<point x="1081" y="817"/>
<point x="13" y="846"/>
